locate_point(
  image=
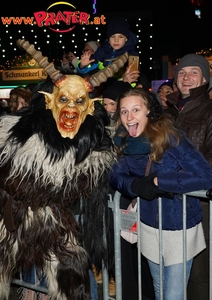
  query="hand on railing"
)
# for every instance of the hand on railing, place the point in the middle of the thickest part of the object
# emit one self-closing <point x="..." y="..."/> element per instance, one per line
<point x="209" y="194"/>
<point x="146" y="188"/>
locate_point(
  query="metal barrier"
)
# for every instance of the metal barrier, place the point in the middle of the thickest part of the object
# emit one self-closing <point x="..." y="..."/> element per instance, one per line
<point x="33" y="286"/>
<point x="123" y="220"/>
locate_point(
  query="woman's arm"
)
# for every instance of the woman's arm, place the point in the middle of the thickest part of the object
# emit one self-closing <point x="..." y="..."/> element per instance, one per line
<point x="194" y="173"/>
<point x="120" y="178"/>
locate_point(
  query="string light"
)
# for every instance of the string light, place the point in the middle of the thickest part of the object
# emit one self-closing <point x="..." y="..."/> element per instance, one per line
<point x="55" y="44"/>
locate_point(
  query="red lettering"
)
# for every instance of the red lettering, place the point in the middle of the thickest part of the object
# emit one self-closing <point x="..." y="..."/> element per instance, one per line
<point x="68" y="15"/>
<point x="75" y="17"/>
<point x="28" y="21"/>
<point x="84" y="18"/>
<point x="40" y="17"/>
<point x="6" y="20"/>
<point x="17" y="20"/>
<point x="103" y="20"/>
<point x="50" y="20"/>
<point x="60" y="17"/>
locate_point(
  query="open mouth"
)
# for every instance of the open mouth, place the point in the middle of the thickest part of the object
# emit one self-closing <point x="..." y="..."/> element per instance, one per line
<point x="68" y="121"/>
<point x="132" y="129"/>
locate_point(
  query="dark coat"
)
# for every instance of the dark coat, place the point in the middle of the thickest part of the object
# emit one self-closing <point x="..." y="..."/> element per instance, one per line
<point x="196" y="119"/>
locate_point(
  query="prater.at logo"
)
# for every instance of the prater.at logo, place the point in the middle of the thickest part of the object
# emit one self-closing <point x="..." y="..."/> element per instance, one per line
<point x="65" y="17"/>
<point x="59" y="17"/>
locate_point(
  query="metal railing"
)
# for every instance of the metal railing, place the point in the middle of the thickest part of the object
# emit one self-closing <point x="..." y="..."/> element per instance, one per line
<point x="120" y="216"/>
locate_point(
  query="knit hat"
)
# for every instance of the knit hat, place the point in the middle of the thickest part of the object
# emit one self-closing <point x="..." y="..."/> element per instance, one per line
<point x="193" y="60"/>
<point x="115" y="89"/>
<point x="168" y="83"/>
<point x="93" y="44"/>
<point x="118" y="25"/>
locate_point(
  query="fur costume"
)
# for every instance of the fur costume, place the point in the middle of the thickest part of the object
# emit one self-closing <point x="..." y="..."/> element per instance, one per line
<point x="41" y="175"/>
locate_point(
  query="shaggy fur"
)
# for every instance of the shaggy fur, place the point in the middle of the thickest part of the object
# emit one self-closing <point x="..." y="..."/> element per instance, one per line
<point x="41" y="175"/>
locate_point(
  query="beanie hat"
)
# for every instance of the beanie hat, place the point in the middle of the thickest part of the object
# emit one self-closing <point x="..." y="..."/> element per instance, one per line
<point x="193" y="60"/>
<point x="168" y="83"/>
<point x="115" y="89"/>
<point x="93" y="44"/>
<point x="118" y="25"/>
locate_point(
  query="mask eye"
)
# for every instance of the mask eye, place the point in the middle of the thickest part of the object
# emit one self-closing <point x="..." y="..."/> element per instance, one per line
<point x="80" y="101"/>
<point x="63" y="99"/>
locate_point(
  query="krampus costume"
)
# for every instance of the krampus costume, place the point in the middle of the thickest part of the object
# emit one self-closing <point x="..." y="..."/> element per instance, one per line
<point x="52" y="154"/>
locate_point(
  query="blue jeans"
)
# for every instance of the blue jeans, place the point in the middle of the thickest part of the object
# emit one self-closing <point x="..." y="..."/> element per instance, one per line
<point x="172" y="280"/>
<point x="94" y="286"/>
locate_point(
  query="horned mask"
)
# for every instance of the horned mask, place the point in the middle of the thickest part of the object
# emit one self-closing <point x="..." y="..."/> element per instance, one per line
<point x="70" y="102"/>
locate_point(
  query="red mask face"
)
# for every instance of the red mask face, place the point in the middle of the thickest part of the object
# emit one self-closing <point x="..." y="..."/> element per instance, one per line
<point x="70" y="104"/>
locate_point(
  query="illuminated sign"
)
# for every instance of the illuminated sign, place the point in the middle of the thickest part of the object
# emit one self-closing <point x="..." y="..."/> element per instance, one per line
<point x="60" y="17"/>
<point x="24" y="74"/>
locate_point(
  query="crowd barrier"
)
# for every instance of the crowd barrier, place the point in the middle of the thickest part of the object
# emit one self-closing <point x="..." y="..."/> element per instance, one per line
<point x="124" y="220"/>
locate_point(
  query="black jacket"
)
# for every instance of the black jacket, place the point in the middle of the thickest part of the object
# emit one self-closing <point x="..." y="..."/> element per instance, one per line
<point x="195" y="119"/>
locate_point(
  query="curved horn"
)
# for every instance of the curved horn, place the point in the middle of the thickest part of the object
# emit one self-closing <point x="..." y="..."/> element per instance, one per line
<point x="57" y="77"/>
<point x="54" y="74"/>
<point x="109" y="71"/>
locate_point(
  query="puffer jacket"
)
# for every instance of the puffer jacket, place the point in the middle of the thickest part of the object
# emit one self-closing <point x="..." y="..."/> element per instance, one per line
<point x="195" y="119"/>
<point x="182" y="169"/>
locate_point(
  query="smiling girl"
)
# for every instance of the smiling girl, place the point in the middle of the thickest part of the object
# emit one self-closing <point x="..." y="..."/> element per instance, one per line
<point x="147" y="135"/>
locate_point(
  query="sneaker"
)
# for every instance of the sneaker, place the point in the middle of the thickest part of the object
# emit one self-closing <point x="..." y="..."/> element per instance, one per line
<point x="112" y="287"/>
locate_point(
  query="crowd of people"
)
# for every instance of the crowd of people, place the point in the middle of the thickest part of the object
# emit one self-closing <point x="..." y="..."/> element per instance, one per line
<point x="170" y="134"/>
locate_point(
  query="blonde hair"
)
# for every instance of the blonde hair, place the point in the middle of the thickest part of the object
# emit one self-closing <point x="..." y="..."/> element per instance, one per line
<point x="159" y="129"/>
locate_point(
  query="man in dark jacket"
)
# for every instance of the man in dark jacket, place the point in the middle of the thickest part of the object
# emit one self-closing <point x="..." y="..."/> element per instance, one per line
<point x="195" y="118"/>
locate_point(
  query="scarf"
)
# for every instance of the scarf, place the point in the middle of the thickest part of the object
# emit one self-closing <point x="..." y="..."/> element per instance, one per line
<point x="132" y="145"/>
